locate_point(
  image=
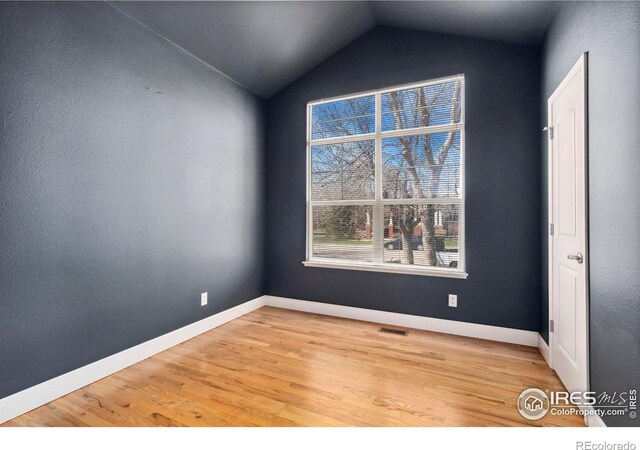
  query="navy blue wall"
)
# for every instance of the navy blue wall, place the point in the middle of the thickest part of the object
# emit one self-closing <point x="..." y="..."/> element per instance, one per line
<point x="503" y="179"/>
<point x="118" y="204"/>
<point x="610" y="32"/>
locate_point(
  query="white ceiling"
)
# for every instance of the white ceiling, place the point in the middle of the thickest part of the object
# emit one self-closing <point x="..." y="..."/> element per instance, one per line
<point x="266" y="45"/>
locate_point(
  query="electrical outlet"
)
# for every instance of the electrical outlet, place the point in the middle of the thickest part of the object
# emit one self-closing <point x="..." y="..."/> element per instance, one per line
<point x="203" y="299"/>
<point x="453" y="300"/>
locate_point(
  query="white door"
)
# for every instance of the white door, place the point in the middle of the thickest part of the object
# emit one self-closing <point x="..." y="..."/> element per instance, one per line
<point x="568" y="243"/>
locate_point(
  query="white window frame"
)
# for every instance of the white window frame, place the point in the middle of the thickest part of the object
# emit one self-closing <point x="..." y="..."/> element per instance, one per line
<point x="378" y="203"/>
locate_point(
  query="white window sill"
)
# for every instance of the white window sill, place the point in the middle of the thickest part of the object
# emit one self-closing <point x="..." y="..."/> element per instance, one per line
<point x="390" y="268"/>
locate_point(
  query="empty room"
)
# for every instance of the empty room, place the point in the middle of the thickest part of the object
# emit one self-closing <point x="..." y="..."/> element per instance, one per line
<point x="321" y="214"/>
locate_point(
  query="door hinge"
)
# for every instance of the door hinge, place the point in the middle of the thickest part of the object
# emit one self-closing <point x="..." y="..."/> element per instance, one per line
<point x="551" y="229"/>
<point x="551" y="326"/>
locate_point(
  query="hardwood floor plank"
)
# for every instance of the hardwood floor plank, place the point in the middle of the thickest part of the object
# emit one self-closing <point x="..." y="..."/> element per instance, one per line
<point x="274" y="367"/>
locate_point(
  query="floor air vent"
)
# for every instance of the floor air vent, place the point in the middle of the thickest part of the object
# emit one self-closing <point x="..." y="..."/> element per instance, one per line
<point x="393" y="331"/>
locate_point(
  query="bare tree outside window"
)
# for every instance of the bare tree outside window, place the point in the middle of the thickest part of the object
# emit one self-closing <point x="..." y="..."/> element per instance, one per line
<point x="416" y="136"/>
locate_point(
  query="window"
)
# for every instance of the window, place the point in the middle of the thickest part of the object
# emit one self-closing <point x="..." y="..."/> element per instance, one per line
<point x="385" y="180"/>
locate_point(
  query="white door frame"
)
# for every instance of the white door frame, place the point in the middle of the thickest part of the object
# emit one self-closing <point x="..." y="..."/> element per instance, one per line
<point x="580" y="64"/>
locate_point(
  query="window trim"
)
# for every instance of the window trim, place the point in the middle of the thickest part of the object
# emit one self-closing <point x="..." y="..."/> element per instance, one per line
<point x="378" y="203"/>
<point x="408" y="269"/>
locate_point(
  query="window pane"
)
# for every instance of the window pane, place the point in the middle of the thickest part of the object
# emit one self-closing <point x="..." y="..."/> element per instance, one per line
<point x="425" y="235"/>
<point x="343" y="118"/>
<point x="343" y="171"/>
<point x="421" y="166"/>
<point x="343" y="232"/>
<point x="435" y="104"/>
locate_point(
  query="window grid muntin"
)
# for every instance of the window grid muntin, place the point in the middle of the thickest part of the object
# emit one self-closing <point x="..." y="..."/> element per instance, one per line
<point x="379" y="203"/>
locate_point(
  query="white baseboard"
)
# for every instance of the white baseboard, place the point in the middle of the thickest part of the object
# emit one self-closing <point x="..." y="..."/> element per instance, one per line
<point x="544" y="350"/>
<point x="41" y="394"/>
<point x="511" y="335"/>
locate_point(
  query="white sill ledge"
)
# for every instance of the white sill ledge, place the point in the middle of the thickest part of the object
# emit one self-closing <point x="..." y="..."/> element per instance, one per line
<point x="389" y="268"/>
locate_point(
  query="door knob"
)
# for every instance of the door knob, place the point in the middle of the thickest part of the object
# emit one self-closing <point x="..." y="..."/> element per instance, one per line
<point x="577" y="257"/>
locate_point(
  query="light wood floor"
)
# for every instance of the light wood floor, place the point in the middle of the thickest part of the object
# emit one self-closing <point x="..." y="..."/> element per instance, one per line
<point x="275" y="367"/>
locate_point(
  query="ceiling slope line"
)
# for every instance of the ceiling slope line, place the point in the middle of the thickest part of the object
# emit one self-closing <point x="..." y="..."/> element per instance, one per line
<point x="182" y="49"/>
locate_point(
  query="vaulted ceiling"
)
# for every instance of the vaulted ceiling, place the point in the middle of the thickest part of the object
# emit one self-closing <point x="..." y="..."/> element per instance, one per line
<point x="265" y="45"/>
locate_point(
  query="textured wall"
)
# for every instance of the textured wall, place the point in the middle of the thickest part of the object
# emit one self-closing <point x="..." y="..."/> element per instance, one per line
<point x="118" y="204"/>
<point x="610" y="32"/>
<point x="503" y="179"/>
